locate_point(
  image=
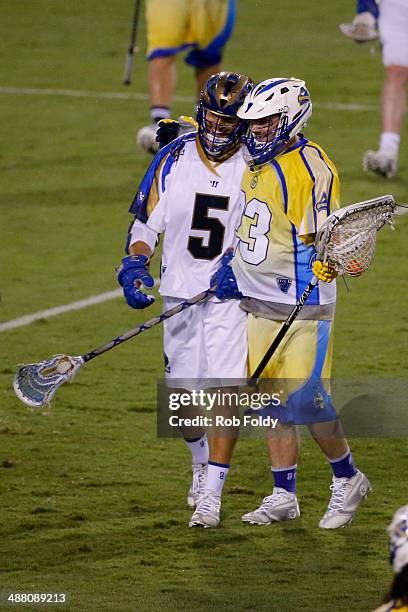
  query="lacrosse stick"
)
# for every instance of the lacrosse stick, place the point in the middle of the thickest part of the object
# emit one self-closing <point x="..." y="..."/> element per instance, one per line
<point x="36" y="383"/>
<point x="346" y="241"/>
<point x="132" y="49"/>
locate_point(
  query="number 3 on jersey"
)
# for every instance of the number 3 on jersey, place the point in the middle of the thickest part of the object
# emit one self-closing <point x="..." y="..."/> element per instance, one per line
<point x="256" y="223"/>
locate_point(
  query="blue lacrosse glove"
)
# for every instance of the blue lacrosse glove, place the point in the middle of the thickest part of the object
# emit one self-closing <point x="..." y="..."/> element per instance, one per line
<point x="131" y="275"/>
<point x="225" y="281"/>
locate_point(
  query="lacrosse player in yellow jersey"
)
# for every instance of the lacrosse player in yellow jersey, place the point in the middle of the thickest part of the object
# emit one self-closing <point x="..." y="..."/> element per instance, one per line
<point x="289" y="189"/>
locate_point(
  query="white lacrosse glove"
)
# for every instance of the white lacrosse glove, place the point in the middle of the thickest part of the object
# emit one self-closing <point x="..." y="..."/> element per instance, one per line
<point x="363" y="28"/>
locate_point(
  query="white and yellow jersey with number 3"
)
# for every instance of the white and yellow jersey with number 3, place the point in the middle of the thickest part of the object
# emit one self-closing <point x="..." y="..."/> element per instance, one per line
<point x="285" y="203"/>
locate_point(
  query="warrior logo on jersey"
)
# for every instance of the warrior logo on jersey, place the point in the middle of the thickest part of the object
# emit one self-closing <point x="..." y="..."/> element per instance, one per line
<point x="283" y="284"/>
<point x="254" y="182"/>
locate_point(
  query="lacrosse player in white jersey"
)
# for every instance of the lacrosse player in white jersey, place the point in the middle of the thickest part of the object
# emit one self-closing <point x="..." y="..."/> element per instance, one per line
<point x="391" y="17"/>
<point x="289" y="188"/>
<point x="191" y="194"/>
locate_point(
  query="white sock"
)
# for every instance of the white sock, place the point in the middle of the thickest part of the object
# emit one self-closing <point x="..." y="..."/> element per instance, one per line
<point x="390" y="142"/>
<point x="199" y="449"/>
<point x="216" y="476"/>
<point x="159" y="112"/>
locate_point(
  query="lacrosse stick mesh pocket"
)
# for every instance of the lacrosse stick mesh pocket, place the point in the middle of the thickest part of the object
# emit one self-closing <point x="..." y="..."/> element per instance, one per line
<point x="36" y="383"/>
<point x="349" y="244"/>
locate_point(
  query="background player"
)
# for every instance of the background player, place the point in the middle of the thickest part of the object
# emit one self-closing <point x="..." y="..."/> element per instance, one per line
<point x="397" y="597"/>
<point x="393" y="28"/>
<point x="202" y="27"/>
<point x="290" y="188"/>
<point x="191" y="193"/>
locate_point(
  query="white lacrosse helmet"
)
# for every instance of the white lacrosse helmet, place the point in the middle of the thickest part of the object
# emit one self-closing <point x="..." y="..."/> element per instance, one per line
<point x="398" y="534"/>
<point x="286" y="97"/>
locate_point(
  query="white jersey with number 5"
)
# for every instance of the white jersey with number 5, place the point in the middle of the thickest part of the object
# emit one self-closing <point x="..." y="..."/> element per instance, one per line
<point x="196" y="203"/>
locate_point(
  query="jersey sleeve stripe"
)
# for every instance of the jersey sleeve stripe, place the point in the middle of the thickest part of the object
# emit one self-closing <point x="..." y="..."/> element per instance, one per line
<point x="308" y="168"/>
<point x="147" y="195"/>
<point x="329" y="194"/>
<point x="282" y="181"/>
<point x="302" y="257"/>
<point x="141" y="199"/>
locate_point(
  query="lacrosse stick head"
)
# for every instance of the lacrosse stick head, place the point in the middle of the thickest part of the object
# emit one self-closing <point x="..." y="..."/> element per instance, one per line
<point x="36" y="383"/>
<point x="347" y="238"/>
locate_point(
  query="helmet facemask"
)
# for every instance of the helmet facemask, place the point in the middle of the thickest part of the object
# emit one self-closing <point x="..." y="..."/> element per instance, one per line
<point x="267" y="137"/>
<point x="219" y="129"/>
<point x="220" y="135"/>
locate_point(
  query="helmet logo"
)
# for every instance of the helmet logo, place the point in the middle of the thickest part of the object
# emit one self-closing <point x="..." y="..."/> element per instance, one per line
<point x="303" y="96"/>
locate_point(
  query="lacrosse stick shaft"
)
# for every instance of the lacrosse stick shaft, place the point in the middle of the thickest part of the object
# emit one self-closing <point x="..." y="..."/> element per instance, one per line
<point x="201" y="297"/>
<point x="283" y="330"/>
<point x="127" y="77"/>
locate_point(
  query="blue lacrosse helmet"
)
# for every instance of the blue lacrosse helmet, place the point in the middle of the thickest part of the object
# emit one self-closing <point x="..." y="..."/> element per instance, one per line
<point x="281" y="106"/>
<point x="219" y="129"/>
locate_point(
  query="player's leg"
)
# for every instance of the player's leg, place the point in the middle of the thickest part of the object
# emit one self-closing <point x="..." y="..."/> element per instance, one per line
<point x="203" y="74"/>
<point x="166" y="24"/>
<point x="185" y="359"/>
<point x="283" y="440"/>
<point x="349" y="486"/>
<point x="225" y="330"/>
<point x="211" y="25"/>
<point x="393" y="25"/>
<point x="162" y="83"/>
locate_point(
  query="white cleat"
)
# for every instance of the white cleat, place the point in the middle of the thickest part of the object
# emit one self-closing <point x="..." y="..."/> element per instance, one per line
<point x="207" y="512"/>
<point x="347" y="495"/>
<point x="198" y="483"/>
<point x="280" y="506"/>
<point x="380" y="162"/>
<point x="146" y="138"/>
<point x="363" y="28"/>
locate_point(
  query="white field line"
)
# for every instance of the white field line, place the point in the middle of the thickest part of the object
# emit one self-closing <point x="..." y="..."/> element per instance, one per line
<point x="52" y="312"/>
<point x="77" y="93"/>
<point x="114" y="95"/>
<point x="57" y="310"/>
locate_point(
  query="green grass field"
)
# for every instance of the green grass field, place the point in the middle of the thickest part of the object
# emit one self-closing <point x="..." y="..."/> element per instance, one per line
<point x="92" y="503"/>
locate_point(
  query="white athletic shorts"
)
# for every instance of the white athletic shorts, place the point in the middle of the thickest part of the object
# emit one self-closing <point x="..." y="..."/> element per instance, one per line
<point x="393" y="27"/>
<point x="205" y="344"/>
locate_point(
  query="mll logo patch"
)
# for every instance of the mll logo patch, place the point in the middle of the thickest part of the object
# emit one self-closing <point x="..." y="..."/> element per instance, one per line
<point x="284" y="284"/>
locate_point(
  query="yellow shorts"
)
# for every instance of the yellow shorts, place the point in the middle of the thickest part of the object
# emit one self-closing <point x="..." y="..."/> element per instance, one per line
<point x="203" y="26"/>
<point x="299" y="370"/>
